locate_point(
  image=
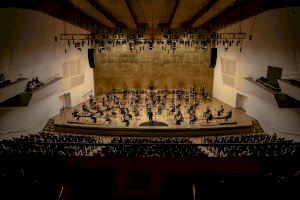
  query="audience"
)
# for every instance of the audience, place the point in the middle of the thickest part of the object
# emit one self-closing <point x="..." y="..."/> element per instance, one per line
<point x="3" y="81"/>
<point x="152" y="147"/>
<point x="66" y="145"/>
<point x="262" y="145"/>
<point x="50" y="144"/>
<point x="33" y="84"/>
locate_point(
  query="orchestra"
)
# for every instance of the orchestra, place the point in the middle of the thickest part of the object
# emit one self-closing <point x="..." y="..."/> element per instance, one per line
<point x="126" y="105"/>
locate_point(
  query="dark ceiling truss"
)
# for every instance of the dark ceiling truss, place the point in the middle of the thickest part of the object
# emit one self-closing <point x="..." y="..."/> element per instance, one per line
<point x="61" y="9"/>
<point x="243" y="9"/>
<point x="104" y="12"/>
<point x="173" y="12"/>
<point x="199" y="14"/>
<point x="133" y="15"/>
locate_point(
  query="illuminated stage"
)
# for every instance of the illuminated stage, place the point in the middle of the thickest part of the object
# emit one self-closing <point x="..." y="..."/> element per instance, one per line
<point x="164" y="123"/>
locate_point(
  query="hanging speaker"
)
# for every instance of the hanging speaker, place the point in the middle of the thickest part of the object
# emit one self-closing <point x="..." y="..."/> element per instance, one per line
<point x="91" y="55"/>
<point x="213" y="57"/>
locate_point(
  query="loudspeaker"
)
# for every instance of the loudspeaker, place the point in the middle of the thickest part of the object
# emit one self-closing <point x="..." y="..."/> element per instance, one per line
<point x="91" y="53"/>
<point x="213" y="57"/>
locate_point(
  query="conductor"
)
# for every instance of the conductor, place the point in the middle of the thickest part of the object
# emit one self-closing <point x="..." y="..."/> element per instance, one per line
<point x="150" y="115"/>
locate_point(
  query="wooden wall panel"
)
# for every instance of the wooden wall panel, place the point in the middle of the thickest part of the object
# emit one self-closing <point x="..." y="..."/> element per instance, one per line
<point x="120" y="68"/>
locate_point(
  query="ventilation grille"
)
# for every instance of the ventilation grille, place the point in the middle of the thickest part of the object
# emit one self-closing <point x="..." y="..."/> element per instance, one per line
<point x="71" y="68"/>
<point x="65" y="67"/>
<point x="78" y="80"/>
<point x="228" y="71"/>
<point x="73" y="72"/>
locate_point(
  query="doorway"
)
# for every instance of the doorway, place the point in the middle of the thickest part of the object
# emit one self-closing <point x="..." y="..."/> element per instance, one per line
<point x="65" y="100"/>
<point x="241" y="101"/>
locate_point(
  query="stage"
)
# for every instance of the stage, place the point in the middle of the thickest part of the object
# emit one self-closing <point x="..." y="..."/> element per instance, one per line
<point x="164" y="125"/>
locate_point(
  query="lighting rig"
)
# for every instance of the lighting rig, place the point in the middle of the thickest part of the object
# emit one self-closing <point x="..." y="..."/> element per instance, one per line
<point x="141" y="42"/>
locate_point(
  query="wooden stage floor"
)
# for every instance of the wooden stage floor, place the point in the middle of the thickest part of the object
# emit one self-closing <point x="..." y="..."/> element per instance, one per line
<point x="242" y="123"/>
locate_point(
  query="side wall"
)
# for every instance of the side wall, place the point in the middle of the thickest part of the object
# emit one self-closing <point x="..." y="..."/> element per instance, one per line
<point x="28" y="49"/>
<point x="275" y="42"/>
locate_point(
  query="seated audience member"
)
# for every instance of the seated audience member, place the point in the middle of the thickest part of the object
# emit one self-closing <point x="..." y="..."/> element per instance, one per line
<point x="2" y="78"/>
<point x="28" y="87"/>
<point x="38" y="82"/>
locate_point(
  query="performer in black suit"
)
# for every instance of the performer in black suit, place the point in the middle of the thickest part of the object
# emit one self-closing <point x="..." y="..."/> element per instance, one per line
<point x="150" y="115"/>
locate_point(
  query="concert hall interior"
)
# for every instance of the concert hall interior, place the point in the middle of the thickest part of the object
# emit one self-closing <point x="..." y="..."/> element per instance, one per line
<point x="149" y="99"/>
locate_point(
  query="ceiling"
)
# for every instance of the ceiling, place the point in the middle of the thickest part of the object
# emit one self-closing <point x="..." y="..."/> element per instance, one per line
<point x="172" y="13"/>
<point x="151" y="15"/>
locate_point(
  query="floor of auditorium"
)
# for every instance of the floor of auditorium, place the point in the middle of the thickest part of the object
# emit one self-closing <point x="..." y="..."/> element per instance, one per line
<point x="239" y="118"/>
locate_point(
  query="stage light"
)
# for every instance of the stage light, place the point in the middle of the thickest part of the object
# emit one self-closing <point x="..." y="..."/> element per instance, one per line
<point x="206" y="39"/>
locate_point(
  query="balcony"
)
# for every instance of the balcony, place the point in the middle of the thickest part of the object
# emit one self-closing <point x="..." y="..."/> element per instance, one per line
<point x="10" y="89"/>
<point x="290" y="87"/>
<point x="271" y="94"/>
<point x="16" y="97"/>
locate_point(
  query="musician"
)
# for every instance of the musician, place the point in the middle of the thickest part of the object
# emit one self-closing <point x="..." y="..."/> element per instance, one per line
<point x="136" y="112"/>
<point x="91" y="100"/>
<point x="206" y="112"/>
<point x="99" y="110"/>
<point x="107" y="119"/>
<point x="124" y="91"/>
<point x="103" y="101"/>
<point x="84" y="108"/>
<point x="75" y="114"/>
<point x="221" y="110"/>
<point x="125" y="120"/>
<point x="93" y="117"/>
<point x="159" y="109"/>
<point x="193" y="118"/>
<point x="129" y="115"/>
<point x="209" y="116"/>
<point x="228" y="116"/>
<point x="179" y="118"/>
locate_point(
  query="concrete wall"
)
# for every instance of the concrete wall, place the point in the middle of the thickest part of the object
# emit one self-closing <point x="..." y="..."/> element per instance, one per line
<point x="120" y="68"/>
<point x="275" y="41"/>
<point x="28" y="50"/>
